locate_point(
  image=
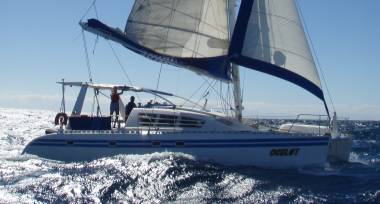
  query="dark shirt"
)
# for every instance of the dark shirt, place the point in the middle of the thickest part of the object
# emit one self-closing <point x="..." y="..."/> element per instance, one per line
<point x="129" y="107"/>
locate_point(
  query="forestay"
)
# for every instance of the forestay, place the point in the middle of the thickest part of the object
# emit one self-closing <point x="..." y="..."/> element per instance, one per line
<point x="193" y="32"/>
<point x="269" y="37"/>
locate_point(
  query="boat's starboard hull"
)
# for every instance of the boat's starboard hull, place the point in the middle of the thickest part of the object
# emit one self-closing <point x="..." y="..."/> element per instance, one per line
<point x="272" y="150"/>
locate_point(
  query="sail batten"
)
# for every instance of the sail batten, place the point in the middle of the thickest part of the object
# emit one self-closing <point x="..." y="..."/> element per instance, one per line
<point x="173" y="28"/>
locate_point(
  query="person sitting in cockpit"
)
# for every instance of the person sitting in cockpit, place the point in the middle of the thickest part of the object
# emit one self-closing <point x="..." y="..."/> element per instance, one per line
<point x="149" y="104"/>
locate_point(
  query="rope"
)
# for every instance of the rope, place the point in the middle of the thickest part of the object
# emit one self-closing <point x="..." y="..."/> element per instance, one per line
<point x="315" y="55"/>
<point x="87" y="57"/>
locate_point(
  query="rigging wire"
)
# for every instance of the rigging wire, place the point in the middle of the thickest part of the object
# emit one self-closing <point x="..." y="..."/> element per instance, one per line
<point x="219" y="94"/>
<point x="243" y="88"/>
<point x="195" y="92"/>
<point x="87" y="57"/>
<point x="223" y="104"/>
<point x="95" y="9"/>
<point x="97" y="17"/>
<point x="96" y="92"/>
<point x="119" y="62"/>
<point x="158" y="81"/>
<point x="104" y="94"/>
<point x="95" y="43"/>
<point x="204" y="95"/>
<point x="92" y="5"/>
<point x="230" y="98"/>
<point x="315" y="55"/>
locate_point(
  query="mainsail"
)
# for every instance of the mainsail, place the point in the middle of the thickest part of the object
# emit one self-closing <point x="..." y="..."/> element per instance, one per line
<point x="186" y="33"/>
<point x="269" y="37"/>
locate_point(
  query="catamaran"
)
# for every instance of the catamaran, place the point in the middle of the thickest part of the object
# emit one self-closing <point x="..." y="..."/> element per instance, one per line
<point x="207" y="37"/>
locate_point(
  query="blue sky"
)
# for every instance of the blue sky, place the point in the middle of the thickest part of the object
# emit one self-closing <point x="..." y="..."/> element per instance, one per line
<point x="40" y="43"/>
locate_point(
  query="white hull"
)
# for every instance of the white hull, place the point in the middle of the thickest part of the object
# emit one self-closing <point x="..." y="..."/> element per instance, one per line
<point x="273" y="150"/>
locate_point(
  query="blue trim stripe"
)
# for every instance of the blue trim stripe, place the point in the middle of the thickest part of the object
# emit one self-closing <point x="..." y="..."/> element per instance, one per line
<point x="301" y="139"/>
<point x="185" y="146"/>
<point x="240" y="143"/>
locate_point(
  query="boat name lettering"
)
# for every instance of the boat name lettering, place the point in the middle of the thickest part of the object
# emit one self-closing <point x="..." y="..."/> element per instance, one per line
<point x="284" y="152"/>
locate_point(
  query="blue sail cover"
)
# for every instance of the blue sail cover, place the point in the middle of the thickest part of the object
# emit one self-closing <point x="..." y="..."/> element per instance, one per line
<point x="269" y="37"/>
<point x="189" y="34"/>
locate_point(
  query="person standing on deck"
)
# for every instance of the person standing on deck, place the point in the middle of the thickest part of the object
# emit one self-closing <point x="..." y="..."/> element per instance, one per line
<point x="114" y="107"/>
<point x="130" y="106"/>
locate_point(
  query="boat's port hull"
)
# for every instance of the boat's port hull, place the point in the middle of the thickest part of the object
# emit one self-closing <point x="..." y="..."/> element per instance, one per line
<point x="272" y="150"/>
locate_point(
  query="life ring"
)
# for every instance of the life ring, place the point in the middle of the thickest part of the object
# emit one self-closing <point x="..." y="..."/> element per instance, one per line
<point x="61" y="118"/>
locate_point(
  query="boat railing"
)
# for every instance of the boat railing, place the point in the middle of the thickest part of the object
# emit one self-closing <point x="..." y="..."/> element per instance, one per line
<point x="316" y="116"/>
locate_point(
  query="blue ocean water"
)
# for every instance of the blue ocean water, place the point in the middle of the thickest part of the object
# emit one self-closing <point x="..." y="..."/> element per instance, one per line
<point x="169" y="177"/>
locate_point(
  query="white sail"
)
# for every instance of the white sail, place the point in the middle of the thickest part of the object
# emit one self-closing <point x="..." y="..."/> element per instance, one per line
<point x="272" y="40"/>
<point x="180" y="28"/>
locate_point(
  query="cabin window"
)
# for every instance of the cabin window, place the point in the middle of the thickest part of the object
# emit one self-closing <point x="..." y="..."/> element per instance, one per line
<point x="164" y="120"/>
<point x="112" y="143"/>
<point x="69" y="142"/>
<point x="190" y="122"/>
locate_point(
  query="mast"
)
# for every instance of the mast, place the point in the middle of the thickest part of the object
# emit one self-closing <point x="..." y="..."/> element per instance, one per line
<point x="238" y="102"/>
<point x="237" y="93"/>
